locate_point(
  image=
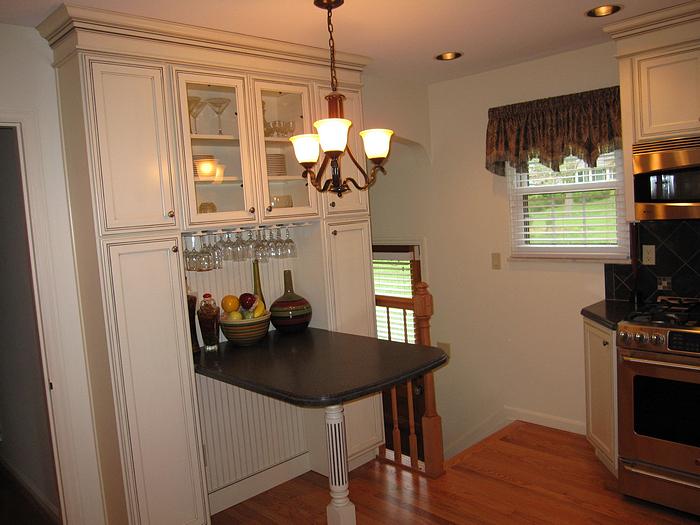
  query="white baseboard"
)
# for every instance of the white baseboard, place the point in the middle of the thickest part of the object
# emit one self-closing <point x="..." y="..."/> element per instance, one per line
<point x="546" y="420"/>
<point x="39" y="497"/>
<point x="488" y="426"/>
<point x="260" y="482"/>
<point x="361" y="459"/>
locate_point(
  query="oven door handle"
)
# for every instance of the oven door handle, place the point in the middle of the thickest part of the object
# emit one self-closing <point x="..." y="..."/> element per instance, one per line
<point x="660" y="363"/>
<point x="645" y="472"/>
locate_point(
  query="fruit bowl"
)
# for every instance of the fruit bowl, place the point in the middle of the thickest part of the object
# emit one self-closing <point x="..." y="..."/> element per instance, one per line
<point x="245" y="332"/>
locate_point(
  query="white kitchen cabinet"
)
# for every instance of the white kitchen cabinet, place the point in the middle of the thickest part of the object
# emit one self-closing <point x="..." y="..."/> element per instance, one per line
<point x="349" y="248"/>
<point x="219" y="186"/>
<point x="153" y="382"/>
<point x="132" y="146"/>
<point x="353" y="201"/>
<point x="667" y="89"/>
<point x="282" y="110"/>
<point x="601" y="391"/>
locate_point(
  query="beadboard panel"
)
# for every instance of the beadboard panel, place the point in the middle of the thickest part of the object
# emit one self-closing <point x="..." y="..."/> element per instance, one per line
<point x="245" y="433"/>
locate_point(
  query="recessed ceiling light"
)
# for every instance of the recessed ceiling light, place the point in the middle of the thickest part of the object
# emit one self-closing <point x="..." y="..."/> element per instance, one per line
<point x="449" y="55"/>
<point x="603" y="10"/>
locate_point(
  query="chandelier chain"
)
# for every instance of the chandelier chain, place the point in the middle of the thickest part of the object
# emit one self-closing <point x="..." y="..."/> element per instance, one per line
<point x="331" y="46"/>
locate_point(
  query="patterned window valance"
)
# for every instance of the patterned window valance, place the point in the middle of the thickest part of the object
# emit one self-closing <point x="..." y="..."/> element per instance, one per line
<point x="582" y="124"/>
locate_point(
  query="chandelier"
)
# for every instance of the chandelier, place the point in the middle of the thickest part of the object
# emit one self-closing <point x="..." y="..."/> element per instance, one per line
<point x="332" y="136"/>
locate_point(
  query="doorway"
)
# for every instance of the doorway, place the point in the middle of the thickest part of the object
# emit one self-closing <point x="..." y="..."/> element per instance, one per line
<point x="28" y="484"/>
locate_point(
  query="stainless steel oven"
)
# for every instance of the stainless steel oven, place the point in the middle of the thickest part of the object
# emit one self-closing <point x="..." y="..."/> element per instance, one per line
<point x="659" y="414"/>
<point x="667" y="179"/>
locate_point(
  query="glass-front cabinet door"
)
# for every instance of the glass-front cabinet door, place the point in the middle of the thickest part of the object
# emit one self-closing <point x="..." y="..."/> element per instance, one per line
<point x="220" y="187"/>
<point x="283" y="110"/>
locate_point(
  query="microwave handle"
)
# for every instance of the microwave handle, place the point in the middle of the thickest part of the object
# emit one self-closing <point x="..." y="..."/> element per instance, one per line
<point x="660" y="363"/>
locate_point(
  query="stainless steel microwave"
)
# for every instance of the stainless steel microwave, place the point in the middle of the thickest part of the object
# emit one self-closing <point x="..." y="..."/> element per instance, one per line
<point x="667" y="179"/>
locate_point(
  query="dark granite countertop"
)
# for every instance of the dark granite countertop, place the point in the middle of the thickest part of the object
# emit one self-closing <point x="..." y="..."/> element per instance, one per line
<point x="608" y="313"/>
<point x="317" y="367"/>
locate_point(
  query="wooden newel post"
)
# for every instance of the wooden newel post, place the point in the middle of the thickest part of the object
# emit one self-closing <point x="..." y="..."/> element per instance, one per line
<point x="432" y="422"/>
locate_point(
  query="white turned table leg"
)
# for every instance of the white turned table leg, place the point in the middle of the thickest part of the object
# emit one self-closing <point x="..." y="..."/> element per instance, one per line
<point x="340" y="511"/>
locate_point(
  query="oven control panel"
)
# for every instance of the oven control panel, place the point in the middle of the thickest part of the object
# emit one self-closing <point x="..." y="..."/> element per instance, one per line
<point x="658" y="339"/>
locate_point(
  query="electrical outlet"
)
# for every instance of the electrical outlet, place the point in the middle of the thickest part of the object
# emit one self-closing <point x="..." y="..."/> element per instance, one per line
<point x="648" y="254"/>
<point x="495" y="261"/>
<point x="445" y="347"/>
<point x="663" y="283"/>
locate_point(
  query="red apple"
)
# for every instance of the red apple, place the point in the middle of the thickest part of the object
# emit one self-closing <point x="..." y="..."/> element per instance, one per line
<point x="247" y="301"/>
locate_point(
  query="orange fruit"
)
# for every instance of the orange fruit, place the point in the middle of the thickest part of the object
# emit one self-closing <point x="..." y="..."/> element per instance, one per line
<point x="230" y="303"/>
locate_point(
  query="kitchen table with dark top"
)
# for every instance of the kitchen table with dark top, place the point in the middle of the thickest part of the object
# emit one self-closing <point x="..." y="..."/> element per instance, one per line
<point x="319" y="368"/>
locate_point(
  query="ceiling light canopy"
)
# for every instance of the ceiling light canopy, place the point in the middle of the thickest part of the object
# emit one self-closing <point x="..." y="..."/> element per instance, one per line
<point x="603" y="10"/>
<point x="448" y="55"/>
<point x="332" y="136"/>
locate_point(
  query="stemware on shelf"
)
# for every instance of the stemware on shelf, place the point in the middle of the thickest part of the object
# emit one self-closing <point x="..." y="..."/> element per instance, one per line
<point x="195" y="105"/>
<point x="219" y="105"/>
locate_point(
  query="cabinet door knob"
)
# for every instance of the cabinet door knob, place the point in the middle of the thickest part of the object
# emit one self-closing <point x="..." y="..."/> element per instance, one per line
<point x="251" y="209"/>
<point x="269" y="208"/>
<point x="605" y="343"/>
<point x="332" y="204"/>
<point x="171" y="214"/>
<point x="175" y="249"/>
<point x="334" y="232"/>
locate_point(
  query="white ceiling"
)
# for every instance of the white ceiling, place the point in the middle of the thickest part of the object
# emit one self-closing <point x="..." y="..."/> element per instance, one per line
<point x="401" y="36"/>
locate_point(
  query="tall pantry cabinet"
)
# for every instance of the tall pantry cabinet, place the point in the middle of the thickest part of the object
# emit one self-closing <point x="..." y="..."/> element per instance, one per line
<point x="128" y="149"/>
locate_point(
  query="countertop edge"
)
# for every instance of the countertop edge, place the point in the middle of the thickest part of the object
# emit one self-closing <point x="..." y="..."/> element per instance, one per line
<point x="607" y="313"/>
<point x="323" y="400"/>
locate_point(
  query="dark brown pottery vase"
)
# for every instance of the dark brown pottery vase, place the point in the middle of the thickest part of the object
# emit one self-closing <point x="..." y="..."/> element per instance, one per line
<point x="291" y="312"/>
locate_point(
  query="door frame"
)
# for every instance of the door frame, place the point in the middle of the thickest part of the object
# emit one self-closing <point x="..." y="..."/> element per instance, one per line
<point x="64" y="365"/>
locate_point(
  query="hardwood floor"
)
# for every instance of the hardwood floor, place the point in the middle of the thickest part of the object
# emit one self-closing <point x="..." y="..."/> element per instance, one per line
<point x="523" y="474"/>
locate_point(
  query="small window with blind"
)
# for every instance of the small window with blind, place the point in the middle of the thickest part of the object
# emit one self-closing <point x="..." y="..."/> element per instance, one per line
<point x="396" y="269"/>
<point x="577" y="211"/>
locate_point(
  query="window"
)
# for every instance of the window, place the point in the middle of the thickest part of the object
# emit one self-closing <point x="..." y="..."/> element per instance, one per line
<point x="577" y="211"/>
<point x="396" y="269"/>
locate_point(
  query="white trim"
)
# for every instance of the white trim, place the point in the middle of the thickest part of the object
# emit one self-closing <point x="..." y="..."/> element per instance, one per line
<point x="547" y="420"/>
<point x="252" y="486"/>
<point x="484" y="429"/>
<point x="62" y="353"/>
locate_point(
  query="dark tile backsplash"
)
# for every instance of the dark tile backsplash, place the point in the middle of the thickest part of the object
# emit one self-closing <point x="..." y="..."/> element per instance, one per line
<point x="677" y="256"/>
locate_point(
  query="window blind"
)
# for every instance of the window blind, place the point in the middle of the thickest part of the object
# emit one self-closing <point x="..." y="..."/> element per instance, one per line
<point x="394" y="273"/>
<point x="578" y="211"/>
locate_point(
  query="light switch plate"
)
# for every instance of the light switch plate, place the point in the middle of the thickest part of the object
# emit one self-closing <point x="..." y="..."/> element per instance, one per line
<point x="496" y="261"/>
<point x="648" y="254"/>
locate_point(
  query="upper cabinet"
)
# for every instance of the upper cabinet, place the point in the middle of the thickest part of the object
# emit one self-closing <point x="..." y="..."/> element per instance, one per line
<point x="282" y="110"/>
<point x="219" y="186"/>
<point x="132" y="165"/>
<point x="354" y="201"/>
<point x="667" y="89"/>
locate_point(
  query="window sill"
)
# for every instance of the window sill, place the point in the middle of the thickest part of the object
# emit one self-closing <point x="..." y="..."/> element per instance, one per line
<point x="569" y="259"/>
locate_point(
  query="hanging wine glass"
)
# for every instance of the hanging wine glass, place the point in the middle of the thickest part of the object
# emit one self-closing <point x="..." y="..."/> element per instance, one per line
<point x="260" y="247"/>
<point x="279" y="244"/>
<point x="290" y="248"/>
<point x="195" y="105"/>
<point x="219" y="105"/>
<point x="228" y="247"/>
<point x="239" y="248"/>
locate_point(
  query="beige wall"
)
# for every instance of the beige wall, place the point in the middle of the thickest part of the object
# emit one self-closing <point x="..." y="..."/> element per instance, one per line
<point x="516" y="333"/>
<point x="28" y="87"/>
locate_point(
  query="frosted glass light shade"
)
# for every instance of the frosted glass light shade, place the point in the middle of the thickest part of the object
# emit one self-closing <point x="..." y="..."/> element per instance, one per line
<point x="333" y="133"/>
<point x="376" y="142"/>
<point x="205" y="167"/>
<point x="305" y="148"/>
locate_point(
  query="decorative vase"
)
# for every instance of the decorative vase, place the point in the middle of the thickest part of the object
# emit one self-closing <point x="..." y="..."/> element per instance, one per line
<point x="257" y="289"/>
<point x="291" y="312"/>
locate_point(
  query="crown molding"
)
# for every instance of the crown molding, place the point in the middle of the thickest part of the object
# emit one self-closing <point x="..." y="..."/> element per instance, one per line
<point x="67" y="19"/>
<point x="655" y="20"/>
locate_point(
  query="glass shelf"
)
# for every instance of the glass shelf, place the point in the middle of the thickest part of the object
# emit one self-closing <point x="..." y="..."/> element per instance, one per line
<point x="202" y="136"/>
